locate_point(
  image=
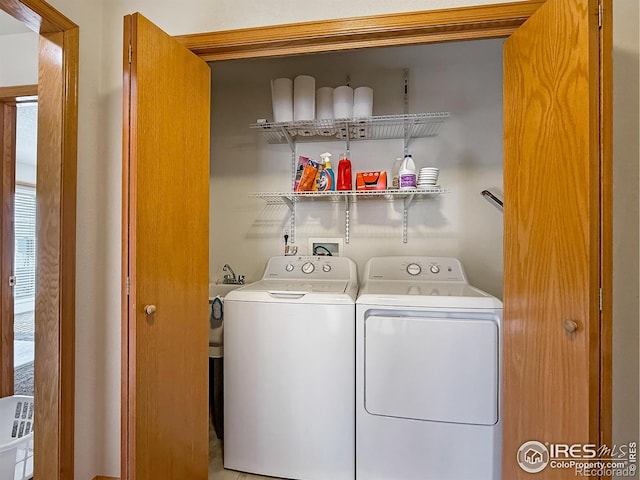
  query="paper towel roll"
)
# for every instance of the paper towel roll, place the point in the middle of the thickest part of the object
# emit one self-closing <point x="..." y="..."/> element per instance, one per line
<point x="324" y="103"/>
<point x="304" y="98"/>
<point x="362" y="102"/>
<point x="282" y="99"/>
<point x="343" y="102"/>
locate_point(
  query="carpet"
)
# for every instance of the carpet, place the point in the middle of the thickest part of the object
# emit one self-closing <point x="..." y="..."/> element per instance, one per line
<point x="23" y="379"/>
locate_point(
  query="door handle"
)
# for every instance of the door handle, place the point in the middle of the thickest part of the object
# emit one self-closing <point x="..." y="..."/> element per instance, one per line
<point x="150" y="309"/>
<point x="569" y="326"/>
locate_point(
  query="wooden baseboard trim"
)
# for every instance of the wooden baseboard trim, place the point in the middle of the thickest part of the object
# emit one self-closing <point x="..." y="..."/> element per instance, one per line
<point x="99" y="477"/>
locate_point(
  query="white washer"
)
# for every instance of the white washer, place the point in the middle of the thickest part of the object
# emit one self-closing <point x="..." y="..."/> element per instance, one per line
<point x="427" y="373"/>
<point x="289" y="365"/>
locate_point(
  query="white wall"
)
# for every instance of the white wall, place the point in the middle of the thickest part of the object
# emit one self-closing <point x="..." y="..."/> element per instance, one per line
<point x="626" y="221"/>
<point x="464" y="77"/>
<point x="19" y="59"/>
<point x="99" y="180"/>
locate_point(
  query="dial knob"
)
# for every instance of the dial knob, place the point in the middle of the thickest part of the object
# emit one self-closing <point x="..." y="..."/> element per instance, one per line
<point x="413" y="269"/>
<point x="434" y="269"/>
<point x="308" y="267"/>
<point x="289" y="267"/>
<point x="326" y="268"/>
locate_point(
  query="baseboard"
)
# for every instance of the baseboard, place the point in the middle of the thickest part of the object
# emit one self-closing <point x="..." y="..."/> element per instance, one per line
<point x="99" y="477"/>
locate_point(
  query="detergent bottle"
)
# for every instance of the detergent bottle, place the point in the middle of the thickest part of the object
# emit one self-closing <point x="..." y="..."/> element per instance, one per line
<point x="345" y="179"/>
<point x="324" y="180"/>
<point x="407" y="174"/>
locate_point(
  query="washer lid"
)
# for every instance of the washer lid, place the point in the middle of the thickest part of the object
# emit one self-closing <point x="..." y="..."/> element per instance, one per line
<point x="426" y="294"/>
<point x="313" y="291"/>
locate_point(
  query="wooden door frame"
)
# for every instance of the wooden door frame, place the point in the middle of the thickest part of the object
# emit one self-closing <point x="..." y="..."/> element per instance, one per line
<point x="56" y="235"/>
<point x="9" y="97"/>
<point x="467" y="23"/>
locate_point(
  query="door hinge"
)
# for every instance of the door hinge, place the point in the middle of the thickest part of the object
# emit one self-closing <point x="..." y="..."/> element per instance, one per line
<point x="600" y="15"/>
<point x="130" y="53"/>
<point x="128" y="285"/>
<point x="12" y="280"/>
<point x="600" y="299"/>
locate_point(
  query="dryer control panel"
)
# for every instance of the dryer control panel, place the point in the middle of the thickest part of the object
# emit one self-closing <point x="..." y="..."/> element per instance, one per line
<point x="311" y="267"/>
<point x="415" y="268"/>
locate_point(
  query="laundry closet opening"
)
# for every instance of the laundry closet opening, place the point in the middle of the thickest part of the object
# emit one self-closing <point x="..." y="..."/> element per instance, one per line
<point x="464" y="78"/>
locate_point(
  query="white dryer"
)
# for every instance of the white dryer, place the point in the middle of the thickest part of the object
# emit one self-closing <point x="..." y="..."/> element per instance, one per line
<point x="289" y="390"/>
<point x="428" y="363"/>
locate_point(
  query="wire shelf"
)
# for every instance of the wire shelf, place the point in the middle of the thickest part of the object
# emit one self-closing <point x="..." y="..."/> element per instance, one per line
<point x="351" y="195"/>
<point x="415" y="125"/>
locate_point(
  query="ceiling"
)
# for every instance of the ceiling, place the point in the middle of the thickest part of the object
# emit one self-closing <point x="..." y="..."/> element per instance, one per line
<point x="11" y="26"/>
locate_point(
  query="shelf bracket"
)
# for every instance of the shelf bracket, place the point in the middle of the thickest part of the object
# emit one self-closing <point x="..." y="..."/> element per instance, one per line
<point x="406" y="110"/>
<point x="290" y="141"/>
<point x="347" y="218"/>
<point x="292" y="217"/>
<point x="405" y="217"/>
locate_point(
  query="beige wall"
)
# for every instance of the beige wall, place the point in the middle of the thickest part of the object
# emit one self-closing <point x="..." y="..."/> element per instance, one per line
<point x="18" y="59"/>
<point x="626" y="189"/>
<point x="99" y="179"/>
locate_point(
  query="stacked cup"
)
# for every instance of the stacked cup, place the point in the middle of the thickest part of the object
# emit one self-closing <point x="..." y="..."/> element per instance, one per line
<point x="428" y="177"/>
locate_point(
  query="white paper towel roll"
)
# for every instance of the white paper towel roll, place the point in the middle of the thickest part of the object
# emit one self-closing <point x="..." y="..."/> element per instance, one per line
<point x="304" y="98"/>
<point x="343" y="102"/>
<point x="363" y="102"/>
<point x="282" y="99"/>
<point x="324" y="103"/>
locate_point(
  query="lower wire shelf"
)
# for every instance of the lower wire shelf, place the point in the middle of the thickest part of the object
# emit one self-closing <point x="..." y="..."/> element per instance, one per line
<point x="349" y="197"/>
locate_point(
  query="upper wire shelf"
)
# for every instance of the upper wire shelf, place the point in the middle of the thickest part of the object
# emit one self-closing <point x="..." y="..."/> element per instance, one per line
<point x="412" y="125"/>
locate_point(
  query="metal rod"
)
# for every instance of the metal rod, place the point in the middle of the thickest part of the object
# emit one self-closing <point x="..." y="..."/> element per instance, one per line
<point x="493" y="200"/>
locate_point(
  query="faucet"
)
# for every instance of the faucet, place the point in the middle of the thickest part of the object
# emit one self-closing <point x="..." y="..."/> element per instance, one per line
<point x="230" y="278"/>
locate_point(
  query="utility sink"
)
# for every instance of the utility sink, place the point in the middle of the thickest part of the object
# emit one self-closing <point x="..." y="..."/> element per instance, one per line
<point x="216" y="344"/>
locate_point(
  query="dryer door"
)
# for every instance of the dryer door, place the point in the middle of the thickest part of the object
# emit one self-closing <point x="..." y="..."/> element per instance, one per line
<point x="436" y="368"/>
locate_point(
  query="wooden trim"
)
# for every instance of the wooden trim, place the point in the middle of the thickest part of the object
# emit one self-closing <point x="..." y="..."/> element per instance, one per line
<point x="13" y="94"/>
<point x="100" y="477"/>
<point x="67" y="269"/>
<point x="7" y="191"/>
<point x="56" y="199"/>
<point x="38" y="15"/>
<point x="477" y="22"/>
<point x="606" y="227"/>
<point x="125" y="411"/>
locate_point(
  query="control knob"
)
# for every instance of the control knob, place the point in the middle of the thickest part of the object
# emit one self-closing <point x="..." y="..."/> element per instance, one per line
<point x="289" y="267"/>
<point x="434" y="269"/>
<point x="308" y="267"/>
<point x="414" y="269"/>
<point x="326" y="268"/>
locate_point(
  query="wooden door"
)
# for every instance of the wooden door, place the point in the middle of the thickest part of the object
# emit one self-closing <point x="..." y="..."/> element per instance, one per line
<point x="165" y="261"/>
<point x="7" y="236"/>
<point x="552" y="227"/>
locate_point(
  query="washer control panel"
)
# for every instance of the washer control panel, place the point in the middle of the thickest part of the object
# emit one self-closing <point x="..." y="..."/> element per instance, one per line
<point x="416" y="268"/>
<point x="311" y="267"/>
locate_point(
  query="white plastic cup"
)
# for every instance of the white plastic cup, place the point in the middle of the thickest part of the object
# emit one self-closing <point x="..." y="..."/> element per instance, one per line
<point x="282" y="99"/>
<point x="324" y="103"/>
<point x="343" y="102"/>
<point x="304" y="98"/>
<point x="363" y="102"/>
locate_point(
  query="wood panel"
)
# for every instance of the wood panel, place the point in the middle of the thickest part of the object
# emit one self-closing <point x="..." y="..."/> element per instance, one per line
<point x="552" y="226"/>
<point x="55" y="232"/>
<point x="362" y="32"/>
<point x="38" y="15"/>
<point x="168" y="101"/>
<point x="12" y="94"/>
<point x="7" y="236"/>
